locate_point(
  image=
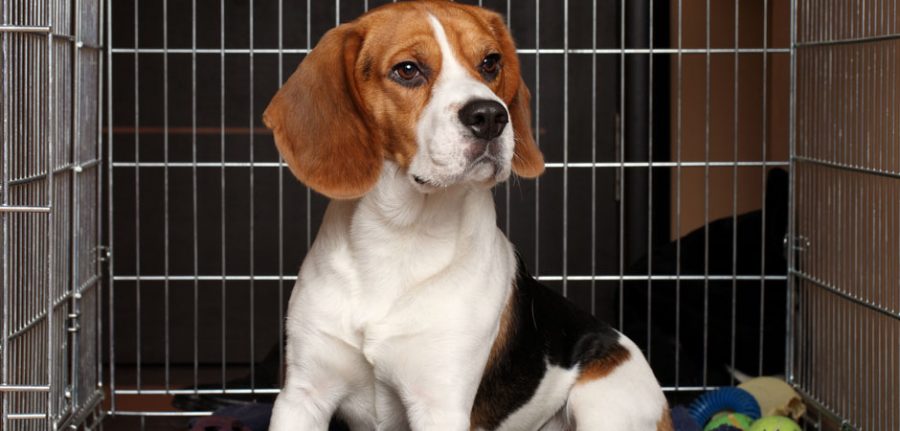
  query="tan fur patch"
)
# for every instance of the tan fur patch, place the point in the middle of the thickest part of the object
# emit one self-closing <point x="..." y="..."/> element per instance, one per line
<point x="601" y="367"/>
<point x="482" y="411"/>
<point x="665" y="422"/>
<point x="507" y="322"/>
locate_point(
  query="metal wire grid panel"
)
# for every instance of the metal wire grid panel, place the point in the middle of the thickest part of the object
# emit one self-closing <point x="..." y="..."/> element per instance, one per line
<point x="662" y="123"/>
<point x="50" y="69"/>
<point x="847" y="197"/>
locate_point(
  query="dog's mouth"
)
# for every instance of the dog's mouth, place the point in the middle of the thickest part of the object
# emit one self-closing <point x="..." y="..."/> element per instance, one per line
<point x="492" y="176"/>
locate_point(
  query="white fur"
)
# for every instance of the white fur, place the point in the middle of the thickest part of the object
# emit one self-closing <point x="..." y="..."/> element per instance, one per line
<point x="403" y="290"/>
<point x="628" y="399"/>
<point x="442" y="139"/>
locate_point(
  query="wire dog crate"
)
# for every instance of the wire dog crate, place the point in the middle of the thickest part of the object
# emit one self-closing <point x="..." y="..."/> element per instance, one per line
<point x="721" y="185"/>
<point x="846" y="169"/>
<point x="50" y="214"/>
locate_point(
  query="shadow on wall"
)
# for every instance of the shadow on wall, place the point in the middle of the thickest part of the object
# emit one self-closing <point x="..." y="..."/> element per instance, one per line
<point x="744" y="322"/>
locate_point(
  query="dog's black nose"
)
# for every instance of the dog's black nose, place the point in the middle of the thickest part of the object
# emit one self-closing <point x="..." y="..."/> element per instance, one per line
<point x="485" y="118"/>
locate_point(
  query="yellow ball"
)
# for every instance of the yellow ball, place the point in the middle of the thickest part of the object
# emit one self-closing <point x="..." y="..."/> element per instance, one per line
<point x="775" y="423"/>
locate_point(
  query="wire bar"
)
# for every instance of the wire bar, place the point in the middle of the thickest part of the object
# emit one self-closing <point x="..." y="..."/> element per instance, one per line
<point x="654" y="277"/>
<point x="549" y="165"/>
<point x="24" y="388"/>
<point x="541" y="51"/>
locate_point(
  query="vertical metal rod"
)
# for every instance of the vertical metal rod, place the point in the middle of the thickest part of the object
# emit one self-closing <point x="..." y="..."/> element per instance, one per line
<point x="281" y="321"/>
<point x="734" y="187"/>
<point x="895" y="221"/>
<point x="706" y="205"/>
<point x="51" y="127"/>
<point x="74" y="270"/>
<point x="98" y="240"/>
<point x="166" y="329"/>
<point x="765" y="143"/>
<point x="194" y="206"/>
<point x="110" y="221"/>
<point x="222" y="180"/>
<point x="678" y="172"/>
<point x="4" y="196"/>
<point x="565" y="208"/>
<point x="137" y="192"/>
<point x="621" y="126"/>
<point x="252" y="212"/>
<point x="854" y="213"/>
<point x="838" y="152"/>
<point x="650" y="185"/>
<point x="309" y="46"/>
<point x="537" y="135"/>
<point x="593" y="159"/>
<point x="792" y="181"/>
<point x="506" y="185"/>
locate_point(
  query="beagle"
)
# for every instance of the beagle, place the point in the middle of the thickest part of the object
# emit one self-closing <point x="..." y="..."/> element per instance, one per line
<point x="411" y="309"/>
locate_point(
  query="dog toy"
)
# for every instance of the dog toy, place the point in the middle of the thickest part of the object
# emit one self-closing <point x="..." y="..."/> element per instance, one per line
<point x="775" y="423"/>
<point x="682" y="419"/>
<point x="775" y="397"/>
<point x="725" y="399"/>
<point x="733" y="420"/>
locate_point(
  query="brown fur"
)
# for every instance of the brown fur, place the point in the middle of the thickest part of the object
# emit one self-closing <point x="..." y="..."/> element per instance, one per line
<point x="339" y="115"/>
<point x="602" y="366"/>
<point x="475" y="32"/>
<point x="481" y="412"/>
<point x="665" y="422"/>
<point x="507" y="322"/>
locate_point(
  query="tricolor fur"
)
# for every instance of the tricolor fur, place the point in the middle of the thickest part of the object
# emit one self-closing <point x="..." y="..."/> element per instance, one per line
<point x="411" y="310"/>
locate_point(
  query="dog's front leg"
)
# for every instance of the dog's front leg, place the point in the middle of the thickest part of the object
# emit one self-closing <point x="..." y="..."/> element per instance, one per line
<point x="389" y="409"/>
<point x="321" y="371"/>
<point x="436" y="378"/>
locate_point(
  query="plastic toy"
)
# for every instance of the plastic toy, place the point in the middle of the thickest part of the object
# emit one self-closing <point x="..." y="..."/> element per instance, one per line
<point x="726" y="399"/>
<point x="682" y="420"/>
<point x="775" y="423"/>
<point x="735" y="420"/>
<point x="775" y="397"/>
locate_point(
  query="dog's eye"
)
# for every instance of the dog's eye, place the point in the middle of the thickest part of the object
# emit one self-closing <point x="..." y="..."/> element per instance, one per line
<point x="408" y="73"/>
<point x="490" y="66"/>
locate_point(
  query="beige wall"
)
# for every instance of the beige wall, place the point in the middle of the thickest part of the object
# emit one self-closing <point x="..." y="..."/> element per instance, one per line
<point x="740" y="135"/>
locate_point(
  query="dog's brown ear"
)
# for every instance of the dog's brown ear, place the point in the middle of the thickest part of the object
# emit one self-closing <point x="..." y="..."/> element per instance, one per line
<point x="319" y="123"/>
<point x="527" y="159"/>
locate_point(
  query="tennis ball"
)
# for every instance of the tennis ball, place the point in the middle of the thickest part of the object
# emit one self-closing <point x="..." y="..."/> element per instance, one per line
<point x="775" y="423"/>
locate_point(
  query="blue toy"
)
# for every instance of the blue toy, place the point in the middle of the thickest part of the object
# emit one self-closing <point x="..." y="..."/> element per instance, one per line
<point x="725" y="399"/>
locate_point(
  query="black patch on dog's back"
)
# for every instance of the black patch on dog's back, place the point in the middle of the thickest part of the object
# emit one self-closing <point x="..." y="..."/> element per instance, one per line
<point x="544" y="327"/>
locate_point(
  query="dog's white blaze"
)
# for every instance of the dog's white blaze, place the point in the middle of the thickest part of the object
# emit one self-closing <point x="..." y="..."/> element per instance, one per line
<point x="442" y="138"/>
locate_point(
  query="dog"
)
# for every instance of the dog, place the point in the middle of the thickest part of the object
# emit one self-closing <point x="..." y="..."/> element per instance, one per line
<point x="411" y="310"/>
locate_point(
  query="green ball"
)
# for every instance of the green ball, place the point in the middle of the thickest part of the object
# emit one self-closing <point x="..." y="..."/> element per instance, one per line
<point x="736" y="420"/>
<point x="775" y="423"/>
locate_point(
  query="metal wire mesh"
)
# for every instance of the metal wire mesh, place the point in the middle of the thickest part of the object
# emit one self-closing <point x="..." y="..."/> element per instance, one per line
<point x="666" y="126"/>
<point x="847" y="184"/>
<point x="51" y="363"/>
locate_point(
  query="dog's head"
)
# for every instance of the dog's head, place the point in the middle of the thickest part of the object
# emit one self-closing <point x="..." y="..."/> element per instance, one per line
<point x="433" y="86"/>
